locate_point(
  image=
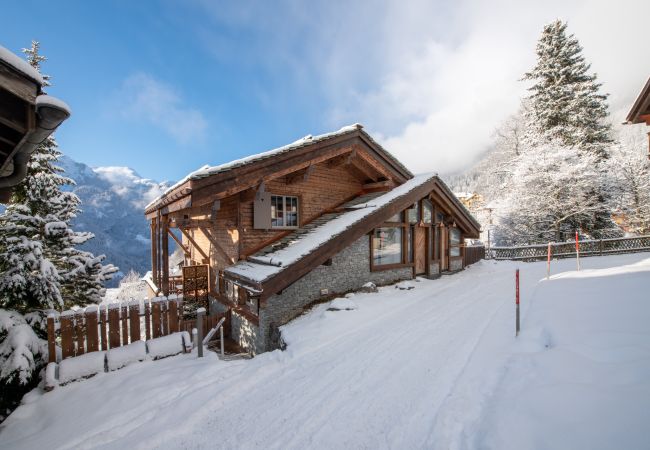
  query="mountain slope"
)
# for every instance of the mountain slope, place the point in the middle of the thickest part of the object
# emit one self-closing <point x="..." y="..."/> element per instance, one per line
<point x="113" y="200"/>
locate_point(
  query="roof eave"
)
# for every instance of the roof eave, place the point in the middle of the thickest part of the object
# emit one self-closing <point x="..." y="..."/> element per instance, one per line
<point x="642" y="102"/>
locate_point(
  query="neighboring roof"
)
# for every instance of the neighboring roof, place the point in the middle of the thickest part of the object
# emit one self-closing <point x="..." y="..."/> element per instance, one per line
<point x="309" y="140"/>
<point x="368" y="211"/>
<point x="20" y="65"/>
<point x="641" y="106"/>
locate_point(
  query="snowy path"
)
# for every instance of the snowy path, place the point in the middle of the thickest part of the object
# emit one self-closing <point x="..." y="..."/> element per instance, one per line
<point x="406" y="369"/>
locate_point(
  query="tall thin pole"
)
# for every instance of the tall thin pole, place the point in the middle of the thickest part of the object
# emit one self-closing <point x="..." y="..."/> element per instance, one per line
<point x="517" y="301"/>
<point x="548" y="262"/>
<point x="577" y="250"/>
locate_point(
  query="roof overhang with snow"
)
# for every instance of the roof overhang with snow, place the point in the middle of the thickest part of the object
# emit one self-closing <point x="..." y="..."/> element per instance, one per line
<point x="640" y="112"/>
<point x="211" y="183"/>
<point x="274" y="272"/>
<point x="27" y="117"/>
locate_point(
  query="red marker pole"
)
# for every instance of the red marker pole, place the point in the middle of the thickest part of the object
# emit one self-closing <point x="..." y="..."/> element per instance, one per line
<point x="577" y="250"/>
<point x="548" y="262"/>
<point x="517" y="301"/>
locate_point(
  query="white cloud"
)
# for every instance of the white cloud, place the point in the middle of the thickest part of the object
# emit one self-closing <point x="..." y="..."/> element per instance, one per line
<point x="433" y="79"/>
<point x="150" y="100"/>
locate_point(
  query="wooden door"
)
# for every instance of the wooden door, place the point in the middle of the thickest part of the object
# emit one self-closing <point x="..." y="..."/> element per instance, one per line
<point x="444" y="253"/>
<point x="420" y="250"/>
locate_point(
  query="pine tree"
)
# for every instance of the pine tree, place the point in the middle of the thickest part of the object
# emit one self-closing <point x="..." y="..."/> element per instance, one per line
<point x="566" y="103"/>
<point x="44" y="193"/>
<point x="28" y="280"/>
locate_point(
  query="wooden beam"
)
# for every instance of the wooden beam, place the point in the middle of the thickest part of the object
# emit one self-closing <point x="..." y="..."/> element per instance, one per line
<point x="300" y="175"/>
<point x="180" y="244"/>
<point x="165" y="256"/>
<point x="379" y="186"/>
<point x="235" y="184"/>
<point x="214" y="242"/>
<point x="154" y="251"/>
<point x="645" y="118"/>
<point x="193" y="242"/>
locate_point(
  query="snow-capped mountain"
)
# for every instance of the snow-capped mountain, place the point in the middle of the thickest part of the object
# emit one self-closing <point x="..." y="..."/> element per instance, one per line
<point x="113" y="200"/>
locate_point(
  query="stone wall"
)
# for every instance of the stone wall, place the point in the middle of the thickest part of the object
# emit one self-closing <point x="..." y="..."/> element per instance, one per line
<point x="455" y="264"/>
<point x="349" y="270"/>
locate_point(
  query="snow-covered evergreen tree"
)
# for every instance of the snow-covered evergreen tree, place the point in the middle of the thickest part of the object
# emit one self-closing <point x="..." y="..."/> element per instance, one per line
<point x="28" y="280"/>
<point x="566" y="104"/>
<point x="551" y="195"/>
<point x="44" y="193"/>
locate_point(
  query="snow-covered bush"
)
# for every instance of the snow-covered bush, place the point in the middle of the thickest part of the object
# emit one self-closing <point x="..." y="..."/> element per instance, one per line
<point x="132" y="287"/>
<point x="22" y="355"/>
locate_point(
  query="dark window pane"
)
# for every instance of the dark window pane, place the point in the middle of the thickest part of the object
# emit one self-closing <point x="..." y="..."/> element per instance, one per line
<point x="414" y="213"/>
<point x="409" y="244"/>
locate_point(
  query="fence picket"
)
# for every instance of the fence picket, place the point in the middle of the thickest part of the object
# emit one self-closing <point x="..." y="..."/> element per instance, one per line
<point x="67" y="343"/>
<point x="125" y="324"/>
<point x="51" y="340"/>
<point x="114" y="325"/>
<point x="155" y="313"/>
<point x="147" y="319"/>
<point x="91" y="329"/>
<point x="173" y="316"/>
<point x="164" y="307"/>
<point x="102" y="322"/>
<point x="134" y="320"/>
<point x="79" y="332"/>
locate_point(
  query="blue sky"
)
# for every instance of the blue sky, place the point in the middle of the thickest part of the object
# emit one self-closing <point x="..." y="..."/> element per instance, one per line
<point x="165" y="87"/>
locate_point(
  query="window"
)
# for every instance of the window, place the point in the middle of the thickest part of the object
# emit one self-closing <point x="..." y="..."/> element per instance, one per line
<point x="414" y="213"/>
<point x="284" y="211"/>
<point x="409" y="243"/>
<point x="397" y="218"/>
<point x="427" y="211"/>
<point x="387" y="246"/>
<point x="454" y="242"/>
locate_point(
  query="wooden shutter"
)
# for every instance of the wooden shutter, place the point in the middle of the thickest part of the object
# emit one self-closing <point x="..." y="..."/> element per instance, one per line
<point x="262" y="210"/>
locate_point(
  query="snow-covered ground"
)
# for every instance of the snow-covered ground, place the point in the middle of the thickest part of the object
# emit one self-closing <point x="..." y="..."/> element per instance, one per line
<point x="436" y="366"/>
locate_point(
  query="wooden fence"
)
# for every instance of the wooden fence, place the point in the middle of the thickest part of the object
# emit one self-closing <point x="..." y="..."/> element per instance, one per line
<point x="568" y="250"/>
<point x="472" y="254"/>
<point x="104" y="327"/>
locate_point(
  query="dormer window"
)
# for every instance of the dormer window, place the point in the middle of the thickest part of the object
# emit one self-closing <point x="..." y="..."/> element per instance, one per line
<point x="284" y="211"/>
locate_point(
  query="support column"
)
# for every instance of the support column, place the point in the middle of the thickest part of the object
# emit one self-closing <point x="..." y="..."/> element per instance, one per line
<point x="165" y="255"/>
<point x="154" y="251"/>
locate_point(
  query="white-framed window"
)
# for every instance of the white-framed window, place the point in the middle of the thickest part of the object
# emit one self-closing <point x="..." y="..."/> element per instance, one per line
<point x="284" y="211"/>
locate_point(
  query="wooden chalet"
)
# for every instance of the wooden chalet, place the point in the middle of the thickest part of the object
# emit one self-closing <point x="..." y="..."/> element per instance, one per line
<point x="267" y="235"/>
<point x="640" y="112"/>
<point x="27" y="117"/>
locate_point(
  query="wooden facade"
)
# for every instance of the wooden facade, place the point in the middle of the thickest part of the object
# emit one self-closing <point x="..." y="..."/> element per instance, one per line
<point x="212" y="215"/>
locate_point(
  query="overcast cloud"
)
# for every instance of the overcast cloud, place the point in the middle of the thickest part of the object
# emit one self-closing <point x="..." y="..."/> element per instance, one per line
<point x="432" y="80"/>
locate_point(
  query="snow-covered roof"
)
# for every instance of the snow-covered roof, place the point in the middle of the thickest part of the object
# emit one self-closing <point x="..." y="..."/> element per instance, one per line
<point x="207" y="170"/>
<point x="19" y="64"/>
<point x="260" y="268"/>
<point x="48" y="100"/>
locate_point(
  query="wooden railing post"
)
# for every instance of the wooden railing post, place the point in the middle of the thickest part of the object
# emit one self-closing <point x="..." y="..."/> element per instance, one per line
<point x="173" y="316"/>
<point x="134" y="320"/>
<point x="103" y="323"/>
<point x="147" y="319"/>
<point x="155" y="313"/>
<point x="114" y="325"/>
<point x="91" y="328"/>
<point x="125" y="323"/>
<point x="51" y="339"/>
<point x="67" y="343"/>
<point x="80" y="335"/>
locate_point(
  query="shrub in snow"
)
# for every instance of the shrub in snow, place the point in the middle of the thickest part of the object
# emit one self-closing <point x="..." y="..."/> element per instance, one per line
<point x="369" y="287"/>
<point x="342" y="304"/>
<point x="405" y="286"/>
<point x="22" y="353"/>
<point x="132" y="287"/>
<point x="170" y="345"/>
<point x="119" y="357"/>
<point x="83" y="366"/>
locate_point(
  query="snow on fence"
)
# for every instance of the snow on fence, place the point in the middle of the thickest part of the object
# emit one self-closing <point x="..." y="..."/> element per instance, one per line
<point x="567" y="249"/>
<point x="102" y="328"/>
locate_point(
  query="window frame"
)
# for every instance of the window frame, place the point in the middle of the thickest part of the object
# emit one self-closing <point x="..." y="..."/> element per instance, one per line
<point x="284" y="211"/>
<point x="407" y="233"/>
